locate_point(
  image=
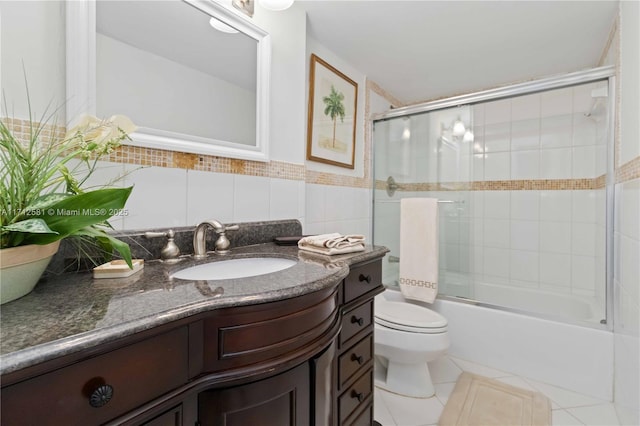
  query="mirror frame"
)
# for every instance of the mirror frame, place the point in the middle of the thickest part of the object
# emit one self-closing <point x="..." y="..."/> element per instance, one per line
<point x="81" y="83"/>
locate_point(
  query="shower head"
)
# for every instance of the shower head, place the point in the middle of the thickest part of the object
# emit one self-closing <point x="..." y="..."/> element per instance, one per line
<point x="599" y="104"/>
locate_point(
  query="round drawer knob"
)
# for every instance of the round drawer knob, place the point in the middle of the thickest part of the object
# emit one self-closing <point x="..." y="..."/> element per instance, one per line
<point x="355" y="319"/>
<point x="101" y="396"/>
<point x="358" y="359"/>
<point x="366" y="278"/>
<point x="357" y="395"/>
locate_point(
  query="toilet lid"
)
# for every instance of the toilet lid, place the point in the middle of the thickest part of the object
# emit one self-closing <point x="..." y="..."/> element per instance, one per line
<point x="407" y="315"/>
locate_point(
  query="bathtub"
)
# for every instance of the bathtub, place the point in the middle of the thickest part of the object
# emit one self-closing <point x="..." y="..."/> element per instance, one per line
<point x="571" y="308"/>
<point x="570" y="356"/>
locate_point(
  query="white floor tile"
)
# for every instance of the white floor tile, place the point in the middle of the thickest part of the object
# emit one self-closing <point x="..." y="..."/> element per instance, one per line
<point x="596" y="415"/>
<point x="563" y="418"/>
<point x="443" y="370"/>
<point x="412" y="411"/>
<point x="478" y="369"/>
<point x="563" y="398"/>
<point x="569" y="408"/>
<point x="518" y="382"/>
<point x="380" y="411"/>
<point x="443" y="390"/>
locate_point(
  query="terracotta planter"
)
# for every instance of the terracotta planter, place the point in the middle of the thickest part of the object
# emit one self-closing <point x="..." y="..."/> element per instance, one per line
<point x="21" y="268"/>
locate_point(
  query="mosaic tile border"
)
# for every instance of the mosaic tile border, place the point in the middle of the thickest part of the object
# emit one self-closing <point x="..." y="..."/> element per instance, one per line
<point x="501" y="185"/>
<point x="129" y="154"/>
<point x="628" y="171"/>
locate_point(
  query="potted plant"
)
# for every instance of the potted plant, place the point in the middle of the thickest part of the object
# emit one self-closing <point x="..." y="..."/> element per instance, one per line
<point x="42" y="199"/>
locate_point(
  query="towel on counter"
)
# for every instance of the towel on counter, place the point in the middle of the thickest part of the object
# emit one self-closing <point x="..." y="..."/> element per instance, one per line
<point x="419" y="248"/>
<point x="332" y="243"/>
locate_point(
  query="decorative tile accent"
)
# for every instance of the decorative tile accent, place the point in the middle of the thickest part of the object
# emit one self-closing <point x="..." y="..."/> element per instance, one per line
<point x="628" y="171"/>
<point x="501" y="185"/>
<point x="161" y="158"/>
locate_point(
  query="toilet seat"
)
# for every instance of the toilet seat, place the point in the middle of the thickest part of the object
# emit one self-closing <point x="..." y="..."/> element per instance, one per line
<point x="408" y="317"/>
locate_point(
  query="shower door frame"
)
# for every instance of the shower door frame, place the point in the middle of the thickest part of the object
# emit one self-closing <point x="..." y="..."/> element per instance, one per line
<point x="554" y="82"/>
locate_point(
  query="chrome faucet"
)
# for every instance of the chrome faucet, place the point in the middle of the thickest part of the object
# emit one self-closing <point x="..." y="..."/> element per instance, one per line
<point x="200" y="238"/>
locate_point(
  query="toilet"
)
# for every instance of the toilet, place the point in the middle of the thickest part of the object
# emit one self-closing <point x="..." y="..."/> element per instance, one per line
<point x="407" y="336"/>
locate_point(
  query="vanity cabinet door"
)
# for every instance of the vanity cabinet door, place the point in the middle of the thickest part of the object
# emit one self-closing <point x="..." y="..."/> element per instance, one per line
<point x="277" y="401"/>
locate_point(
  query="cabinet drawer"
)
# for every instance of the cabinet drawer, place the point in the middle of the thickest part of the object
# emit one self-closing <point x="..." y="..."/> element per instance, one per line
<point x="362" y="279"/>
<point x="242" y="336"/>
<point x="363" y="419"/>
<point x="356" y="320"/>
<point x="356" y="358"/>
<point x="133" y="375"/>
<point x="355" y="396"/>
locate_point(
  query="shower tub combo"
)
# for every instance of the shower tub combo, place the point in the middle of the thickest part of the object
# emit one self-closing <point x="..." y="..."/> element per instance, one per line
<point x="524" y="176"/>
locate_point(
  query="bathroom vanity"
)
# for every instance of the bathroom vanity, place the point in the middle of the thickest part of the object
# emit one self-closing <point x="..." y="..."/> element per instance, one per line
<point x="291" y="347"/>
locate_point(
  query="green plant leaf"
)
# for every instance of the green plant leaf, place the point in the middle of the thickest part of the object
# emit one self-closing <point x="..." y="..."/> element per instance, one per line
<point x="70" y="215"/>
<point x="32" y="226"/>
<point x="109" y="243"/>
<point x="45" y="201"/>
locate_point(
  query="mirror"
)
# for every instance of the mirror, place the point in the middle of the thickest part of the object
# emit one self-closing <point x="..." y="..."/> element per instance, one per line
<point x="187" y="86"/>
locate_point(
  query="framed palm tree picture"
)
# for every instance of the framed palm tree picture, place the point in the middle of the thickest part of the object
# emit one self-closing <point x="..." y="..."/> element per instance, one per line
<point x="331" y="127"/>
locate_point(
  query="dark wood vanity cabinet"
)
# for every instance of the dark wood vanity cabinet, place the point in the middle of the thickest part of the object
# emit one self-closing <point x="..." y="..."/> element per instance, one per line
<point x="354" y="384"/>
<point x="307" y="360"/>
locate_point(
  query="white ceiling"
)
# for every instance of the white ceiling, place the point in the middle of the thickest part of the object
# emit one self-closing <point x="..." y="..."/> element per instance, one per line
<point x="422" y="50"/>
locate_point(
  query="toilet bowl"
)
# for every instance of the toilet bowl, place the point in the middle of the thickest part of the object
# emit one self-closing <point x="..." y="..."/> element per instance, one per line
<point x="407" y="336"/>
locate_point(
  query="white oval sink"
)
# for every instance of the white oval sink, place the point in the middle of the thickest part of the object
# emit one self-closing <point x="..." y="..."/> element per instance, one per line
<point x="235" y="268"/>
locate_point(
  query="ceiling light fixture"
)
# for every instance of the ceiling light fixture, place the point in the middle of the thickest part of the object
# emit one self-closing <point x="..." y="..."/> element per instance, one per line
<point x="221" y="26"/>
<point x="458" y="128"/>
<point x="468" y="136"/>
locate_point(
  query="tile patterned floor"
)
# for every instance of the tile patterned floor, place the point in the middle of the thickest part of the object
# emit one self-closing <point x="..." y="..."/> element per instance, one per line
<point x="569" y="408"/>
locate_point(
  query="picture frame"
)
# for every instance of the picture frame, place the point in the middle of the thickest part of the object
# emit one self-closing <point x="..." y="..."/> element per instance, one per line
<point x="333" y="105"/>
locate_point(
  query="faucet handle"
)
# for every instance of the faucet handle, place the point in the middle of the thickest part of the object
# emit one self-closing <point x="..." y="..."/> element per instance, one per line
<point x="222" y="243"/>
<point x="169" y="251"/>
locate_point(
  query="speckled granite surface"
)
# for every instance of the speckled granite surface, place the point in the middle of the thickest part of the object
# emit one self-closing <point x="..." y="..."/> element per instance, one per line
<point x="71" y="312"/>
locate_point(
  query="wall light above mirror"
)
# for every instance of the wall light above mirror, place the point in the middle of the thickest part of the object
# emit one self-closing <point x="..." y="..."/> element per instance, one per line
<point x="187" y="86"/>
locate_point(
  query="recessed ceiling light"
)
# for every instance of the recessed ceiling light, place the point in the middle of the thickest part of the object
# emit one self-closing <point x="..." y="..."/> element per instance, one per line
<point x="276" y="5"/>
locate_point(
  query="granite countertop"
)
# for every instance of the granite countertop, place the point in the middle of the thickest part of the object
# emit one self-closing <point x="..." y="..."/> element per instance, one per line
<point x="72" y="312"/>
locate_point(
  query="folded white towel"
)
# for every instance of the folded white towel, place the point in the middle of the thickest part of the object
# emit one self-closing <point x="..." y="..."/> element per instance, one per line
<point x="332" y="243"/>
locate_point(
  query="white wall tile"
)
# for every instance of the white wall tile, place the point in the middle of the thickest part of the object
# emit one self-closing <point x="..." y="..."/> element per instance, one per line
<point x="584" y="162"/>
<point x="525" y="235"/>
<point x="524" y="265"/>
<point x="251" y="200"/>
<point x="555" y="237"/>
<point x="496" y="233"/>
<point x="583" y="239"/>
<point x="556" y="131"/>
<point x="555" y="163"/>
<point x="496" y="262"/>
<point x="555" y="205"/>
<point x="315" y="202"/>
<point x="497" y="137"/>
<point x="525" y="107"/>
<point x="584" y="130"/>
<point x="283" y="203"/>
<point x="525" y="205"/>
<point x="629" y="209"/>
<point x="158" y="199"/>
<point x="525" y="165"/>
<point x="209" y="196"/>
<point x="497" y="112"/>
<point x="556" y="102"/>
<point x="583" y="273"/>
<point x="497" y="204"/>
<point x="525" y="134"/>
<point x="555" y="269"/>
<point x="584" y="206"/>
